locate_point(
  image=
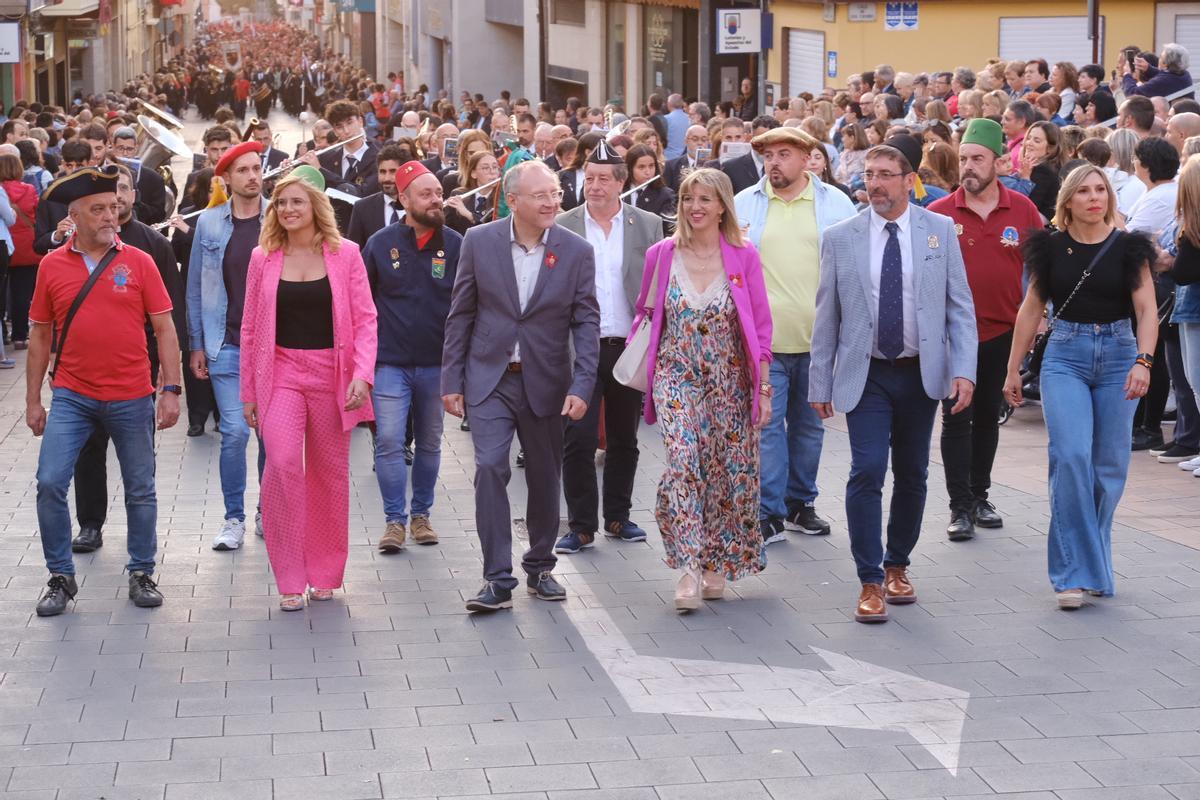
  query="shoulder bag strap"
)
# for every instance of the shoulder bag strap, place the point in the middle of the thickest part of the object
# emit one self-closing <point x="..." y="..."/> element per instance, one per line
<point x="1112" y="237"/>
<point x="76" y="303"/>
<point x="652" y="296"/>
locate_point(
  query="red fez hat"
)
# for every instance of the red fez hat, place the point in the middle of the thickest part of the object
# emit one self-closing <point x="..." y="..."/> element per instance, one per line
<point x="234" y="153"/>
<point x="409" y="172"/>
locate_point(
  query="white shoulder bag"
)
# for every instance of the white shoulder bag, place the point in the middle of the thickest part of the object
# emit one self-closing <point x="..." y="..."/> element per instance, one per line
<point x="630" y="368"/>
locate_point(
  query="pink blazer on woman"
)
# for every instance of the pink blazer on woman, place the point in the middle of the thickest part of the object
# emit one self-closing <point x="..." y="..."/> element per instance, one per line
<point x="354" y="330"/>
<point x="745" y="273"/>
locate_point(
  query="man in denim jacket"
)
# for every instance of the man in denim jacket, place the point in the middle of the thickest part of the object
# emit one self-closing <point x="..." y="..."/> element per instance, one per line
<point x="216" y="291"/>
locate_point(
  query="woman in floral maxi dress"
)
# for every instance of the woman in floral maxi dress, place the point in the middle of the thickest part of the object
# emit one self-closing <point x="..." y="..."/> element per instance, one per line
<point x="707" y="367"/>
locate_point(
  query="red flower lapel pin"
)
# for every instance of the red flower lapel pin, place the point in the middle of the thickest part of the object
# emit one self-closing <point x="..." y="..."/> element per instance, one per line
<point x="551" y="260"/>
<point x="736" y="279"/>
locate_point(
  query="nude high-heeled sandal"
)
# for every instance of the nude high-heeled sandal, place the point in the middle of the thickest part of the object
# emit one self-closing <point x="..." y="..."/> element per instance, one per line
<point x="687" y="591"/>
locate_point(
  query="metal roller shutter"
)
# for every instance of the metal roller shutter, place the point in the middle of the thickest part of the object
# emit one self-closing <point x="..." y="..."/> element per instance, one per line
<point x="1187" y="32"/>
<point x="1052" y="38"/>
<point x="806" y="62"/>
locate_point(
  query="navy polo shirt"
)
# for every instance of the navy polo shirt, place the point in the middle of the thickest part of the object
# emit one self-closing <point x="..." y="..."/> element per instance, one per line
<point x="411" y="286"/>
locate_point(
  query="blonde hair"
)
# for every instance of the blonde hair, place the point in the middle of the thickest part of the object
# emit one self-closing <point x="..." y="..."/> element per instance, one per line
<point x="1071" y="184"/>
<point x="464" y="144"/>
<point x="1187" y="201"/>
<point x="721" y="186"/>
<point x="274" y="237"/>
<point x="1191" y="146"/>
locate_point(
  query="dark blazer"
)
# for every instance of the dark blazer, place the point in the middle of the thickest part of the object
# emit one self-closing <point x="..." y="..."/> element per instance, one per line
<point x="566" y="181"/>
<point x="656" y="200"/>
<point x="367" y="217"/>
<point x="151" y="199"/>
<point x="45" y="220"/>
<point x="433" y="163"/>
<point x="742" y="171"/>
<point x="363" y="182"/>
<point x="143" y="237"/>
<point x="673" y="172"/>
<point x="460" y="224"/>
<point x="275" y="157"/>
<point x="486" y="320"/>
<point x="551" y="161"/>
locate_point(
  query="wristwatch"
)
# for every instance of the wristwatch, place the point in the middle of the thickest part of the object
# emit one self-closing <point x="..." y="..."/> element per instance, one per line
<point x="172" y="388"/>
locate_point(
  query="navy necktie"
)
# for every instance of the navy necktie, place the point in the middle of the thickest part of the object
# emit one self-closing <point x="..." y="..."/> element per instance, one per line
<point x="352" y="164"/>
<point x="891" y="297"/>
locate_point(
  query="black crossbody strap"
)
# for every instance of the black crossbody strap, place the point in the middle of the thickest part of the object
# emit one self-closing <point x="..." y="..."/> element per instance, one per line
<point x="76" y="303"/>
<point x="1112" y="237"/>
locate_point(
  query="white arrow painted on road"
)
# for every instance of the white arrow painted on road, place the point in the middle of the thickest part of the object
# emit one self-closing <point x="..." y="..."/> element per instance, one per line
<point x="851" y="694"/>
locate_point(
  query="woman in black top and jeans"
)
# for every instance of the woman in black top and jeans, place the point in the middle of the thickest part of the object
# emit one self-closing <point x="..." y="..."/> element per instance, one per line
<point x="1094" y="371"/>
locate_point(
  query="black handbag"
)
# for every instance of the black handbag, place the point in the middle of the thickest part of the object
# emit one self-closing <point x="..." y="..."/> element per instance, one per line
<point x="1043" y="339"/>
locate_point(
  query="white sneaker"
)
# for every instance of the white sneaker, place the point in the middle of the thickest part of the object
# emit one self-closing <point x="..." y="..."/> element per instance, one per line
<point x="1196" y="474"/>
<point x="258" y="528"/>
<point x="1191" y="465"/>
<point x="231" y="535"/>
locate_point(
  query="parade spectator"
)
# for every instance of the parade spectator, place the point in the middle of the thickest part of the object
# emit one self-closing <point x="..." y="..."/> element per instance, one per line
<point x="1137" y="114"/>
<point x="704" y="291"/>
<point x="1094" y="370"/>
<point x="308" y="341"/>
<point x="1156" y="163"/>
<point x="677" y="123"/>
<point x="1169" y="77"/>
<point x="1064" y="82"/>
<point x="1186" y="314"/>
<point x="23" y="260"/>
<point x="1017" y="118"/>
<point x="1041" y="161"/>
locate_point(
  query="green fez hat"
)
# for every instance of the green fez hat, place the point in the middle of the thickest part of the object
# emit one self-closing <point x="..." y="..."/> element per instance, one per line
<point x="986" y="133"/>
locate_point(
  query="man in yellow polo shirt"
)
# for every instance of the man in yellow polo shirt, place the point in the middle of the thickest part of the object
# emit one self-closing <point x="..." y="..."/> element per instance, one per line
<point x="785" y="214"/>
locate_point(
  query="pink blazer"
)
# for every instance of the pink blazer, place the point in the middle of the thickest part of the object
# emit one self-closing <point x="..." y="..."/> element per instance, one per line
<point x="354" y="331"/>
<point x="744" y="269"/>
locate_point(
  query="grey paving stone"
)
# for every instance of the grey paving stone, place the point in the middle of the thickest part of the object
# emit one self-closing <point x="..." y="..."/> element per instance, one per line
<point x="540" y="778"/>
<point x="61" y="776"/>
<point x="272" y="766"/>
<point x="646" y="772"/>
<point x="133" y="773"/>
<point x="927" y="783"/>
<point x="103" y="752"/>
<point x="1142" y="772"/>
<point x="825" y="787"/>
<point x="330" y="787"/>
<point x="443" y="783"/>
<point x="1030" y="777"/>
<point x="729" y="768"/>
<point x="1075" y="748"/>
<point x="225" y="790"/>
<point x="728" y="790"/>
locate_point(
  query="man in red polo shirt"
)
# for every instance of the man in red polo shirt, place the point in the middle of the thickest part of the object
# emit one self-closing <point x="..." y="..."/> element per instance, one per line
<point x="991" y="222"/>
<point x="101" y="377"/>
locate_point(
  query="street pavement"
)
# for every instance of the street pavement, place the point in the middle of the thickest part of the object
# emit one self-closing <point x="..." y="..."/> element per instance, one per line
<point x="981" y="689"/>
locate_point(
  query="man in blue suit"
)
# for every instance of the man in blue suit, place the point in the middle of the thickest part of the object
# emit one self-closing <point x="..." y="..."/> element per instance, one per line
<point x="894" y="334"/>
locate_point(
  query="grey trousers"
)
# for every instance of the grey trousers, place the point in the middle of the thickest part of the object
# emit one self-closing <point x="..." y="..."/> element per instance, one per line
<point x="493" y="422"/>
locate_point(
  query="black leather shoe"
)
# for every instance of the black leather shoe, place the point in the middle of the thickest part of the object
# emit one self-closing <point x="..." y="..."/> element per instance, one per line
<point x="195" y="430"/>
<point x="465" y="425"/>
<point x="961" y="528"/>
<point x="143" y="591"/>
<point x="544" y="587"/>
<point x="490" y="598"/>
<point x="520" y="459"/>
<point x="60" y="590"/>
<point x="89" y="539"/>
<point x="408" y="455"/>
<point x="986" y="515"/>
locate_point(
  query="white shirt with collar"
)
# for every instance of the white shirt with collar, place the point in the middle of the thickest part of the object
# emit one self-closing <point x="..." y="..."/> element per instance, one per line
<point x="758" y="162"/>
<point x="526" y="264"/>
<point x="390" y="212"/>
<point x="357" y="155"/>
<point x="878" y="241"/>
<point x="616" y="318"/>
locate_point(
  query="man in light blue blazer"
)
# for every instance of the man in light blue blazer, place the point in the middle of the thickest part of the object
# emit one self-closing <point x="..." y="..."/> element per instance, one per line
<point x="895" y="333"/>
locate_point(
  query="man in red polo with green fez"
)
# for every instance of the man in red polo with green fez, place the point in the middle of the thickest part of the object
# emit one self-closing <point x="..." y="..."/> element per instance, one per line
<point x="991" y="222"/>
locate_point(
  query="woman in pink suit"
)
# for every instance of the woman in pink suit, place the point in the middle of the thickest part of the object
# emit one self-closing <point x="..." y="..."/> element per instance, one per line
<point x="707" y="387"/>
<point x="308" y="356"/>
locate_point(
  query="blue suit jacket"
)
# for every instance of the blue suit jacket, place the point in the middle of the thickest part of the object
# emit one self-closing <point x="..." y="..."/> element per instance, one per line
<point x="844" y="331"/>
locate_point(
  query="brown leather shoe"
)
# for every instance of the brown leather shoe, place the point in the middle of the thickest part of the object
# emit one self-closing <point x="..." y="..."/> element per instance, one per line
<point x="896" y="586"/>
<point x="871" y="606"/>
<point x="392" y="540"/>
<point x="422" y="531"/>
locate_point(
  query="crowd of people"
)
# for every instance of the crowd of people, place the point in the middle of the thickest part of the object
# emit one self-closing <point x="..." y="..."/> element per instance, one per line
<point x="559" y="275"/>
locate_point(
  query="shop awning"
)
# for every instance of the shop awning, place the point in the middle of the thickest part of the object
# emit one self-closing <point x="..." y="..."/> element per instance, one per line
<point x="71" y="8"/>
<point x="695" y="4"/>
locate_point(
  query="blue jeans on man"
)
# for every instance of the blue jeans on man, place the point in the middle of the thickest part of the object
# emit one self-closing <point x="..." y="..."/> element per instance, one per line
<point x="894" y="417"/>
<point x="397" y="391"/>
<point x="130" y="424"/>
<point x="226" y="377"/>
<point x="791" y="441"/>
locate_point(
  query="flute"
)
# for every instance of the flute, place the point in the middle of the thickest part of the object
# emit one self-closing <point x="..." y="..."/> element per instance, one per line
<point x="285" y="167"/>
<point x="478" y="189"/>
<point x="639" y="187"/>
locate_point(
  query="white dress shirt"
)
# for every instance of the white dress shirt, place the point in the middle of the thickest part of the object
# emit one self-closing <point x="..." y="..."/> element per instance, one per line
<point x="1154" y="210"/>
<point x="390" y="212"/>
<point x="616" y="318"/>
<point x="579" y="184"/>
<point x="878" y="240"/>
<point x="526" y="264"/>
<point x="357" y="155"/>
